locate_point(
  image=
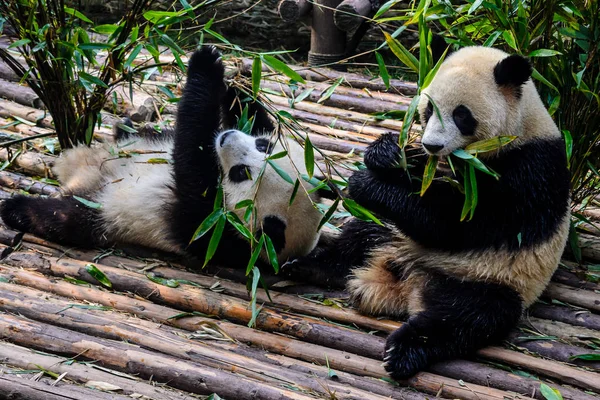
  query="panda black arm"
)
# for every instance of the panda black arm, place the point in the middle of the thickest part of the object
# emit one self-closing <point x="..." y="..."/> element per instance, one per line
<point x="233" y="108"/>
<point x="522" y="209"/>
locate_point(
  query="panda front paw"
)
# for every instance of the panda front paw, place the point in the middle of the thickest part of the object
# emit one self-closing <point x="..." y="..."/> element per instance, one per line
<point x="405" y="353"/>
<point x="383" y="153"/>
<point x="206" y="64"/>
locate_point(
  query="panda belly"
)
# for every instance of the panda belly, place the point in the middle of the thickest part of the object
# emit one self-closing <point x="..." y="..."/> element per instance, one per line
<point x="392" y="279"/>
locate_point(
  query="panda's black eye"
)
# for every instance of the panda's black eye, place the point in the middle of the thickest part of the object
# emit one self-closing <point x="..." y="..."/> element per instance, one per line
<point x="264" y="145"/>
<point x="239" y="173"/>
<point x="428" y="111"/>
<point x="464" y="120"/>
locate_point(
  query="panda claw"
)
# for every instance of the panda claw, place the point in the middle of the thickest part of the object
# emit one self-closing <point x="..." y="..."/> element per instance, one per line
<point x="390" y="349"/>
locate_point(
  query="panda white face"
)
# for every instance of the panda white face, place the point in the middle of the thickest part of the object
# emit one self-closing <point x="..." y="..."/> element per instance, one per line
<point x="242" y="157"/>
<point x="480" y="93"/>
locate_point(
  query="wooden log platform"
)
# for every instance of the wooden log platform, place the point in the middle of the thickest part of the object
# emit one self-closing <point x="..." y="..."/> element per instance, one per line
<point x="64" y="335"/>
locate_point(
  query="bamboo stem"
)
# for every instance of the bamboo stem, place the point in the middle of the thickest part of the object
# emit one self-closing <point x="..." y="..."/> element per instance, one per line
<point x="578" y="297"/>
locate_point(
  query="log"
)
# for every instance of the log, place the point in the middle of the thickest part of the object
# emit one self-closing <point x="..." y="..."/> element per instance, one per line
<point x="131" y="359"/>
<point x="571" y="279"/>
<point x="327" y="42"/>
<point x="364" y="105"/>
<point x="571" y="295"/>
<point x="16" y="181"/>
<point x="567" y="315"/>
<point x="552" y="349"/>
<point x="293" y="10"/>
<point x="20" y="93"/>
<point x="116" y="326"/>
<point x="570" y="334"/>
<point x="207" y="302"/>
<point x="336" y="113"/>
<point x="18" y="388"/>
<point x="25" y="358"/>
<point x="7" y="73"/>
<point x="32" y="163"/>
<point x="353" y="80"/>
<point x="338" y="360"/>
<point x="351" y="13"/>
<point x="590" y="246"/>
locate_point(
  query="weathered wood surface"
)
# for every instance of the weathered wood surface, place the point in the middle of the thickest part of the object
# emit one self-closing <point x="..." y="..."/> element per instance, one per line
<point x="131" y="327"/>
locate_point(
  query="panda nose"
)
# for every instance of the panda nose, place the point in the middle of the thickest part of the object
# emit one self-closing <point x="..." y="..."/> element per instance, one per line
<point x="434" y="148"/>
<point x="224" y="136"/>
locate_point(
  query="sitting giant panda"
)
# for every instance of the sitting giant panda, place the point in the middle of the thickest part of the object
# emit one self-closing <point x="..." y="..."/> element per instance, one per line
<point x="463" y="285"/>
<point x="161" y="205"/>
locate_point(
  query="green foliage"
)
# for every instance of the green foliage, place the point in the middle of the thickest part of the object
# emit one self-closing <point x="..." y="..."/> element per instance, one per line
<point x="73" y="72"/>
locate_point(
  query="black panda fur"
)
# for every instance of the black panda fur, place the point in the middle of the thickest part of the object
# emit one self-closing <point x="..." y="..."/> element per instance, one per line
<point x="463" y="285"/>
<point x="170" y="201"/>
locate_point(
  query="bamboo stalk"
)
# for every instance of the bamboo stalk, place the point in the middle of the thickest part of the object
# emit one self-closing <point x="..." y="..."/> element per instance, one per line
<point x="25" y="358"/>
<point x="115" y="326"/>
<point x="578" y="297"/>
<point x="16" y="181"/>
<point x="570" y="279"/>
<point x="19" y="388"/>
<point x="354" y="80"/>
<point x="207" y="302"/>
<point x="351" y="13"/>
<point x="338" y="360"/>
<point x="590" y="246"/>
<point x="184" y="375"/>
<point x="20" y="93"/>
<point x="293" y="10"/>
<point x="576" y="335"/>
<point x="568" y="315"/>
<point x="32" y="163"/>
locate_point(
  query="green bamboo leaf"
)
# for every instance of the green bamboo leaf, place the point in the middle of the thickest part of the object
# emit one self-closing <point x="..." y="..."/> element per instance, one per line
<point x="470" y="159"/>
<point x="302" y="95"/>
<point x="92" y="79"/>
<point x="384" y="8"/>
<point x="436" y="110"/>
<point x="408" y="120"/>
<point x="309" y="157"/>
<point x="271" y="253"/>
<point x="423" y="51"/>
<point x="536" y="75"/>
<point x="88" y="203"/>
<point x="218" y="203"/>
<point x="244" y="204"/>
<point x="474" y="195"/>
<point x="549" y="393"/>
<point x="468" y="194"/>
<point x="586" y="357"/>
<point x="434" y="70"/>
<point x="253" y="291"/>
<point x="574" y="242"/>
<point x="491" y="144"/>
<point x="474" y="6"/>
<point x="19" y="43"/>
<point x="134" y="53"/>
<point x="544" y="53"/>
<point x="235" y="221"/>
<point x="157" y="161"/>
<point x="328" y="214"/>
<point x="215" y="239"/>
<point x="281" y="154"/>
<point x="256" y="76"/>
<point x="294" y="192"/>
<point x="429" y="173"/>
<point x="400" y="51"/>
<point x="359" y="211"/>
<point x="207" y="224"/>
<point x="568" y="145"/>
<point x="77" y="14"/>
<point x="255" y="254"/>
<point x="94" y="46"/>
<point x="282" y="68"/>
<point x="172" y="283"/>
<point x="509" y="37"/>
<point x="167" y="41"/>
<point x="489" y="42"/>
<point x="98" y="275"/>
<point x="383" y="72"/>
<point x="327" y="93"/>
<point x="284" y="175"/>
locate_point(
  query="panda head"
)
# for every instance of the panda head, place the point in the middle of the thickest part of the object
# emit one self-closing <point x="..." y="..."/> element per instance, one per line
<point x="481" y="93"/>
<point x="247" y="175"/>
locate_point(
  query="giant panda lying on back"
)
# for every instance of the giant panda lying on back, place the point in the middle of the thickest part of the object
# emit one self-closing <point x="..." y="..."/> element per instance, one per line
<point x="161" y="205"/>
<point x="463" y="285"/>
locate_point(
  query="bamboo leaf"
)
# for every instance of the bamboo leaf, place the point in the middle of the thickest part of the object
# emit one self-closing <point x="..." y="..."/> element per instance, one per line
<point x="383" y="72"/>
<point x="509" y="37"/>
<point x="400" y="51"/>
<point x="328" y="214"/>
<point x="586" y="357"/>
<point x="19" y="43"/>
<point x="77" y="14"/>
<point x="281" y="67"/>
<point x="281" y="154"/>
<point x="284" y="175"/>
<point x="549" y="393"/>
<point x="92" y="79"/>
<point x="474" y="6"/>
<point x="309" y="157"/>
<point x="474" y="195"/>
<point x="470" y="159"/>
<point x="434" y="70"/>
<point x="256" y="76"/>
<point x="359" y="211"/>
<point x="327" y="94"/>
<point x="271" y="253"/>
<point x="207" y="224"/>
<point x="303" y="95"/>
<point x="384" y="8"/>
<point x="133" y="55"/>
<point x="408" y="120"/>
<point x="483" y="146"/>
<point x="88" y="203"/>
<point x="429" y="173"/>
<point x="544" y="53"/>
<point x="255" y="254"/>
<point x="294" y="192"/>
<point x="568" y="145"/>
<point x="98" y="275"/>
<point x="239" y="226"/>
<point x="172" y="283"/>
<point x="468" y="194"/>
<point x="215" y="239"/>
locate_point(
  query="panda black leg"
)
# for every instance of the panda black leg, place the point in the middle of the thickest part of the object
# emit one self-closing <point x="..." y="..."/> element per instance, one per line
<point x="61" y="220"/>
<point x="458" y="319"/>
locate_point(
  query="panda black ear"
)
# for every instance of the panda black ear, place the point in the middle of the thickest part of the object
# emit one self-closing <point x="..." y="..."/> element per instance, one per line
<point x="514" y="70"/>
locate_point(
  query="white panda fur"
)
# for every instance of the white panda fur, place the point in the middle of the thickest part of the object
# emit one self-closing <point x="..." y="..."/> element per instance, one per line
<point x="463" y="285"/>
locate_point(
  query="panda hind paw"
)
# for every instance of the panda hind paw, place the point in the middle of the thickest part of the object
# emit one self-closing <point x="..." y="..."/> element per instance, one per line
<point x="206" y="61"/>
<point x="405" y="353"/>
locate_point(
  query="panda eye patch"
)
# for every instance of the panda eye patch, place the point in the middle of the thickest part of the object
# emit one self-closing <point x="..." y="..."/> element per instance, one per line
<point x="239" y="173"/>
<point x="464" y="120"/>
<point x="428" y="111"/>
<point x="263" y="145"/>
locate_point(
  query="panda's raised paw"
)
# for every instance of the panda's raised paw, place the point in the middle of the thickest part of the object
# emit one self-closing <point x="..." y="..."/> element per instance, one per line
<point x="405" y="353"/>
<point x="383" y="153"/>
<point x="206" y="62"/>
